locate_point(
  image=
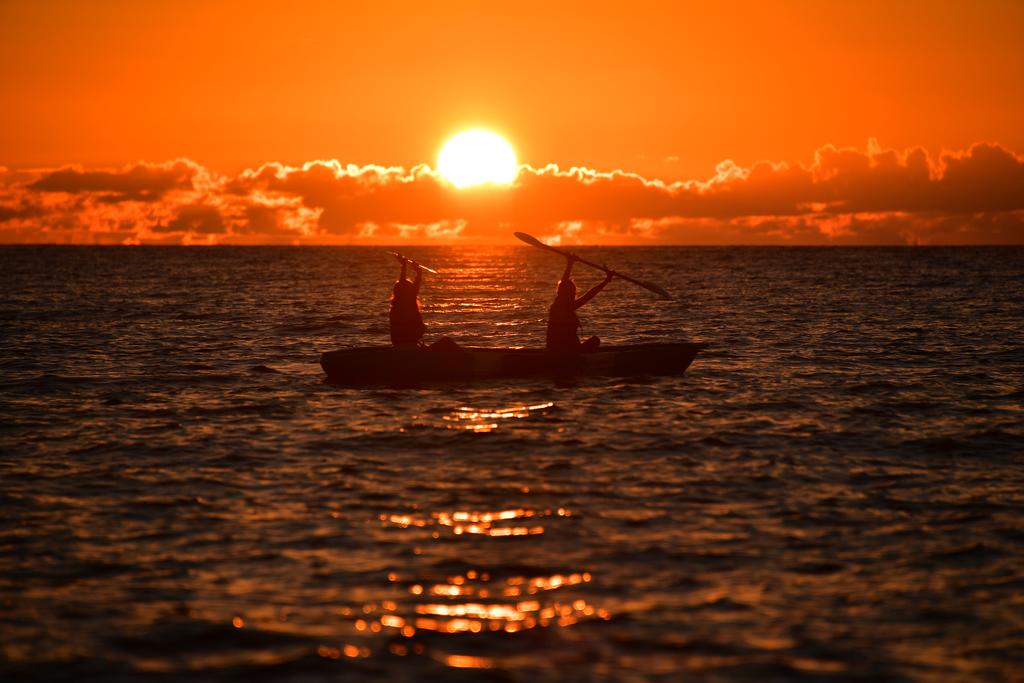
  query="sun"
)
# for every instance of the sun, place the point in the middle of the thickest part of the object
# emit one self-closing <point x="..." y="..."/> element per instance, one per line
<point x="474" y="157"/>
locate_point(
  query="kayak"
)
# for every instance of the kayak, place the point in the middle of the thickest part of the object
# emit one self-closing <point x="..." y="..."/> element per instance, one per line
<point x="388" y="364"/>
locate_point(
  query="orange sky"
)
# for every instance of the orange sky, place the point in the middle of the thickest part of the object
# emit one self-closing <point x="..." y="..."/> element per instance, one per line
<point x="662" y="90"/>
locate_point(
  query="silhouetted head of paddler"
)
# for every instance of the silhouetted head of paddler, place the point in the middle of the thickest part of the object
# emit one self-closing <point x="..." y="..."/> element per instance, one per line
<point x="565" y="294"/>
<point x="403" y="291"/>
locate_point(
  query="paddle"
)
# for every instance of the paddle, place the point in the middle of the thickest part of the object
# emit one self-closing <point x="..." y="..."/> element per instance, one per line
<point x="403" y="258"/>
<point x="533" y="241"/>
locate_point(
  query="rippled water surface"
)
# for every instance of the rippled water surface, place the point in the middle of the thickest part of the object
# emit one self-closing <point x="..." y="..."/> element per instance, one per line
<point x="833" y="492"/>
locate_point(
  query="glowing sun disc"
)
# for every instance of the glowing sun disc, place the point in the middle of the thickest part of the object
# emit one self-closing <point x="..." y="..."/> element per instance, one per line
<point x="474" y="157"/>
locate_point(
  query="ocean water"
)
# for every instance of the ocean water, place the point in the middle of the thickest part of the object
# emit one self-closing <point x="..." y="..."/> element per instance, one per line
<point x="833" y="492"/>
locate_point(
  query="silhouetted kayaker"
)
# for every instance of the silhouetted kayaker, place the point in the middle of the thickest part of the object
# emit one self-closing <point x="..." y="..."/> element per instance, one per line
<point x="407" y="326"/>
<point x="563" y="324"/>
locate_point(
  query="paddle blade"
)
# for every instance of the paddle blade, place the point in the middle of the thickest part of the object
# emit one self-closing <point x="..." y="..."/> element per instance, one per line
<point x="655" y="288"/>
<point x="529" y="239"/>
<point x="649" y="286"/>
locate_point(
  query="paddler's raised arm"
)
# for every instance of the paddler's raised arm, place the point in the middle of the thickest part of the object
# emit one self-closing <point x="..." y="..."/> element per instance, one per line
<point x="609" y="274"/>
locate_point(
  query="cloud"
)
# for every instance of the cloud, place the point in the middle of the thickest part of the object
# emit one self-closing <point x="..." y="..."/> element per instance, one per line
<point x="195" y="218"/>
<point x="844" y="196"/>
<point x="140" y="182"/>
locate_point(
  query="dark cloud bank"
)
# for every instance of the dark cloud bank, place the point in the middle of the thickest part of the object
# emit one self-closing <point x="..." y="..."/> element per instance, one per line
<point x="844" y="196"/>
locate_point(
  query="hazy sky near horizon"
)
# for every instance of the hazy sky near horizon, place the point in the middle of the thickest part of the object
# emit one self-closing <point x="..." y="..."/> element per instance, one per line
<point x="666" y="91"/>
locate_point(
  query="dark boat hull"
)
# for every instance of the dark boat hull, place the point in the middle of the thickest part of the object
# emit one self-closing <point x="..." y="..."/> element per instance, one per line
<point x="389" y="365"/>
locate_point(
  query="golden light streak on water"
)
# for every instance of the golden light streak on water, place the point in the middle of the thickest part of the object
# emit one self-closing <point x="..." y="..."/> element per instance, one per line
<point x="468" y="609"/>
<point x="479" y="420"/>
<point x="468" y="662"/>
<point x="510" y="612"/>
<point x="484" y="523"/>
<point x="474" y="617"/>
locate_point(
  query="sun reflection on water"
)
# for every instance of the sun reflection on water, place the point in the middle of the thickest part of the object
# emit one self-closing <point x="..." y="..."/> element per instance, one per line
<point x="466" y="617"/>
<point x="468" y="662"/>
<point x="440" y="613"/>
<point x="475" y="522"/>
<point x="478" y="603"/>
<point x="482" y="420"/>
